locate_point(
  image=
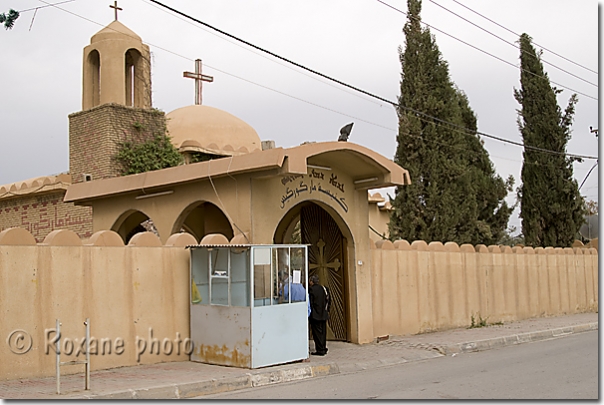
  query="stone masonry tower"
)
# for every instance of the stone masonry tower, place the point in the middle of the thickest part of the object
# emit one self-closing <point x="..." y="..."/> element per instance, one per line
<point x="116" y="103"/>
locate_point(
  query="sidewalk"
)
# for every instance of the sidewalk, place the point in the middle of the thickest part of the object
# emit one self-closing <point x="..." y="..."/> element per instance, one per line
<point x="189" y="379"/>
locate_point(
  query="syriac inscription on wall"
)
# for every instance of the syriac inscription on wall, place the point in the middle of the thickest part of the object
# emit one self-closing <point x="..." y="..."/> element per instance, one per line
<point x="301" y="186"/>
<point x="42" y="214"/>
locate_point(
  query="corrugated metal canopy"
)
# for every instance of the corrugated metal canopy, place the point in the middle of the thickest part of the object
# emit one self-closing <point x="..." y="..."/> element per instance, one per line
<point x="245" y="245"/>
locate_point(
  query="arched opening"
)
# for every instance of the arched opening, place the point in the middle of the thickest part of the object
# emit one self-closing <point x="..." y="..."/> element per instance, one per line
<point x="135" y="80"/>
<point x="93" y="78"/>
<point x="328" y="238"/>
<point x="132" y="222"/>
<point x="202" y="218"/>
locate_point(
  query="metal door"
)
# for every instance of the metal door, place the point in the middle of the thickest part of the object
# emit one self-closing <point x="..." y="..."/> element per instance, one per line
<point x="327" y="260"/>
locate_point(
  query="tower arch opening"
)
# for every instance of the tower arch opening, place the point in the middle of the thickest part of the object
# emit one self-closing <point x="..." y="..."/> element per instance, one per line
<point x="92" y="77"/>
<point x="135" y="86"/>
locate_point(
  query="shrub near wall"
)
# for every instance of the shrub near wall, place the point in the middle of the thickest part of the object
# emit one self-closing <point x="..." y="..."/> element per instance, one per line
<point x="419" y="288"/>
<point x="124" y="290"/>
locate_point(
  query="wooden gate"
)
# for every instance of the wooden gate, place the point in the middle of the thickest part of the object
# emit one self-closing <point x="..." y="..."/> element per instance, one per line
<point x="326" y="256"/>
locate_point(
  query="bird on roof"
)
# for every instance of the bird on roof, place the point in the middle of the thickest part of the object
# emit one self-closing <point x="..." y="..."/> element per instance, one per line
<point x="345" y="132"/>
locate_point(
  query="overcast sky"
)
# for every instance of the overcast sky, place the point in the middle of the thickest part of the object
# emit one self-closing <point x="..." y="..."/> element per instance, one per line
<point x="354" y="41"/>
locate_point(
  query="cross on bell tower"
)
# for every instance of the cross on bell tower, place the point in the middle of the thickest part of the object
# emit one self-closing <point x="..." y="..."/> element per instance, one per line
<point x="199" y="79"/>
<point x="115" y="8"/>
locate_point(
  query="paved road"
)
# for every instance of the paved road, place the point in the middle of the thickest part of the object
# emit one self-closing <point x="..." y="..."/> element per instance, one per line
<point x="563" y="368"/>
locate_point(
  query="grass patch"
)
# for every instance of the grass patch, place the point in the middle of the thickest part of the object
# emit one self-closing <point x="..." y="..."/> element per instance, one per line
<point x="481" y="322"/>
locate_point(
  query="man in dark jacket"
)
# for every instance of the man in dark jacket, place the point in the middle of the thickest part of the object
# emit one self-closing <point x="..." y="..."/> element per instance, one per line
<point x="318" y="315"/>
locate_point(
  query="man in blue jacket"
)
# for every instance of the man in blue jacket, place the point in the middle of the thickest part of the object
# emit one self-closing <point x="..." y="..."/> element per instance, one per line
<point x="298" y="291"/>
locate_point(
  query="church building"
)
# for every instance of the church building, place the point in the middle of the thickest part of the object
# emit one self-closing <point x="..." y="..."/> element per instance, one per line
<point x="248" y="191"/>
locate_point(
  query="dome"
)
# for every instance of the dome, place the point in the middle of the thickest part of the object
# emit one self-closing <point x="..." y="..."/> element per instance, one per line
<point x="199" y="128"/>
<point x="115" y="30"/>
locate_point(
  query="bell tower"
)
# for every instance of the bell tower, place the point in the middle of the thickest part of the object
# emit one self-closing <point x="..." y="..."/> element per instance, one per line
<point x="117" y="69"/>
<point x="116" y="103"/>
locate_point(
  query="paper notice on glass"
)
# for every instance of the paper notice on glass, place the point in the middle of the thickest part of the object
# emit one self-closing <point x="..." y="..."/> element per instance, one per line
<point x="296" y="277"/>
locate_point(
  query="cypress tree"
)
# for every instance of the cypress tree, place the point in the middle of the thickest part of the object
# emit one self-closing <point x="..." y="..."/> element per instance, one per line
<point x="551" y="207"/>
<point x="487" y="219"/>
<point x="455" y="194"/>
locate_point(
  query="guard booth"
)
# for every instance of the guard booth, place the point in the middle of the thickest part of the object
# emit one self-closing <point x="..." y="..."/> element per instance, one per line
<point x="249" y="304"/>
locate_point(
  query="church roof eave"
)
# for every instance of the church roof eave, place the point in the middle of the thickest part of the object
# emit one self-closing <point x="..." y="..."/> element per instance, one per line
<point x="37" y="186"/>
<point x="254" y="162"/>
<point x="367" y="168"/>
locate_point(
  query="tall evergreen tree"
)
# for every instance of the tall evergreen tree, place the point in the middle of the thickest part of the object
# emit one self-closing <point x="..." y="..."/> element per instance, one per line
<point x="487" y="220"/>
<point x="551" y="208"/>
<point x="455" y="194"/>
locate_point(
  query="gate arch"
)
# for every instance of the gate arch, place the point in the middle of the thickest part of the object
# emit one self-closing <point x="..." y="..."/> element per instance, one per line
<point x="329" y="239"/>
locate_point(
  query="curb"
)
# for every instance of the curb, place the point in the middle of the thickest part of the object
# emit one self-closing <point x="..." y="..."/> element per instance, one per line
<point x="302" y="372"/>
<point x="494" y="343"/>
<point x="216" y="386"/>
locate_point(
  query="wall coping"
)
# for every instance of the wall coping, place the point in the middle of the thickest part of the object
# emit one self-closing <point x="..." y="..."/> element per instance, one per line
<point x="66" y="237"/>
<point x="436" y="246"/>
<point x="37" y="185"/>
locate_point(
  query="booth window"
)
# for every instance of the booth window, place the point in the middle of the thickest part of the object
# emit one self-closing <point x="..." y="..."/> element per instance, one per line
<point x="220" y="276"/>
<point x="279" y="275"/>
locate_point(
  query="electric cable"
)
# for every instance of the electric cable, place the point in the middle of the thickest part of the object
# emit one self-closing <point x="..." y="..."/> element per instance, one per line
<point x="263" y="56"/>
<point x="222" y="204"/>
<point x="588" y="173"/>
<point x="377" y="233"/>
<point x="485" y="52"/>
<point x="47" y="5"/>
<point x="518" y="35"/>
<point x="363" y="91"/>
<point x="235" y="76"/>
<point x="436" y="119"/>
<point x="510" y="43"/>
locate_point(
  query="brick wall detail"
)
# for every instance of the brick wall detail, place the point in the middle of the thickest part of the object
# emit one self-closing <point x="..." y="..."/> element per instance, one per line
<point x="43" y="213"/>
<point x="95" y="136"/>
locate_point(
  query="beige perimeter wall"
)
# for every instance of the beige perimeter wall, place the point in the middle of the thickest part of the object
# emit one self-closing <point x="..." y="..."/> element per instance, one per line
<point x="124" y="290"/>
<point x="138" y="294"/>
<point x="420" y="288"/>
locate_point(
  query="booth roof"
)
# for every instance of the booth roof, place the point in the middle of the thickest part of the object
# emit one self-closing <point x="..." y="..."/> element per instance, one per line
<point x="245" y="245"/>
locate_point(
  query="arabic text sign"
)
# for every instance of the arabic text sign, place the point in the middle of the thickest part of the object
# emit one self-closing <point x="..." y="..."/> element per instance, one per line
<point x="314" y="184"/>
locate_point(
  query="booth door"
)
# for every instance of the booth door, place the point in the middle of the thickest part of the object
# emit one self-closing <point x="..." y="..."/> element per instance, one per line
<point x="326" y="257"/>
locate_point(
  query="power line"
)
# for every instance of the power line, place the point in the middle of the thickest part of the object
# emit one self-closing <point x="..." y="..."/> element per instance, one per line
<point x="467" y="131"/>
<point x="510" y="43"/>
<point x="459" y="128"/>
<point x="301" y="99"/>
<point x="588" y="173"/>
<point x="47" y="5"/>
<point x="230" y="74"/>
<point x="518" y="35"/>
<point x="264" y="56"/>
<point x="485" y="52"/>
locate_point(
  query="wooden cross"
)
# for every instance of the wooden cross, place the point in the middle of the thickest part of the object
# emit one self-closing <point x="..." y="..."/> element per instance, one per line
<point x="322" y="266"/>
<point x="199" y="79"/>
<point x="116" y="8"/>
